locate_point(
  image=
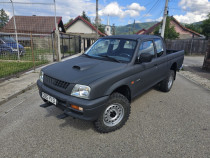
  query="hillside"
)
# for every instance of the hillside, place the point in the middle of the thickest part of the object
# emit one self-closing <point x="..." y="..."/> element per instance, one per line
<point x="124" y="30"/>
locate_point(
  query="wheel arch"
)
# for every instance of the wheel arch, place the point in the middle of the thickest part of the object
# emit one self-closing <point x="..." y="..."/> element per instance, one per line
<point x="122" y="89"/>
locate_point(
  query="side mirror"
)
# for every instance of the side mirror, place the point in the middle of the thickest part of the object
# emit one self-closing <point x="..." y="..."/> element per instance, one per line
<point x="145" y="57"/>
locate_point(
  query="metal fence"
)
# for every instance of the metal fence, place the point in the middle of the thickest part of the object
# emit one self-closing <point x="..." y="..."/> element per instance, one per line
<point x="190" y="46"/>
<point x="24" y="47"/>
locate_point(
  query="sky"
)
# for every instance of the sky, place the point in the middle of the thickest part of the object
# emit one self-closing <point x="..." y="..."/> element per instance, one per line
<point x="120" y="12"/>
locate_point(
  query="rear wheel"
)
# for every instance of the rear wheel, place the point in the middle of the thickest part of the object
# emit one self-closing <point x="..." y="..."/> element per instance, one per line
<point x="115" y="114"/>
<point x="167" y="83"/>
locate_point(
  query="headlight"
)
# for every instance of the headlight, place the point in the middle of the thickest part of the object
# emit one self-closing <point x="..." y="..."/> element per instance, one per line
<point x="41" y="76"/>
<point x="81" y="91"/>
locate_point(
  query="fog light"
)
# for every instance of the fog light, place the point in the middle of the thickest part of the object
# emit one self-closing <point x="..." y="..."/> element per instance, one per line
<point x="77" y="107"/>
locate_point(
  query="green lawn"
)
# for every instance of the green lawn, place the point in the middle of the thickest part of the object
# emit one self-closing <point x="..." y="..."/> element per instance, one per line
<point x="8" y="68"/>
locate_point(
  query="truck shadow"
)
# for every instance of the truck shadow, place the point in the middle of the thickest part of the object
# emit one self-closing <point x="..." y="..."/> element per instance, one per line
<point x="53" y="111"/>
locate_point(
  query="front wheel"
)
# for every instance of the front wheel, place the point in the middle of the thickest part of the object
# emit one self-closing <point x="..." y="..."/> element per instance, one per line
<point x="167" y="83"/>
<point x="115" y="114"/>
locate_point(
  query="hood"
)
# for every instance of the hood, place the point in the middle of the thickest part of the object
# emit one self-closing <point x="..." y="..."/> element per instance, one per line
<point x="82" y="70"/>
<point x="14" y="45"/>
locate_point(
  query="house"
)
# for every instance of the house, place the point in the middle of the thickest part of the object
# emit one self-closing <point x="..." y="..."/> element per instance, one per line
<point x="40" y="27"/>
<point x="34" y="24"/>
<point x="80" y="26"/>
<point x="184" y="33"/>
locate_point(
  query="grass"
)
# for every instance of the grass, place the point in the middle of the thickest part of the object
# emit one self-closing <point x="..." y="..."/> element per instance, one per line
<point x="8" y="68"/>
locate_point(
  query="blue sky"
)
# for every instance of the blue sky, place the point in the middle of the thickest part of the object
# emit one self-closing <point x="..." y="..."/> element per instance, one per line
<point x="121" y="12"/>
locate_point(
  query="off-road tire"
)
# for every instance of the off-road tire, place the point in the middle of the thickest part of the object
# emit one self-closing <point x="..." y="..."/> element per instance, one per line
<point x="167" y="83"/>
<point x="117" y="107"/>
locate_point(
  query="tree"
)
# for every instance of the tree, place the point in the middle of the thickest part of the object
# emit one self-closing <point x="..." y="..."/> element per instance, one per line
<point x="4" y="18"/>
<point x="85" y="16"/>
<point x="70" y="20"/>
<point x="206" y="27"/>
<point x="196" y="28"/>
<point x="170" y="32"/>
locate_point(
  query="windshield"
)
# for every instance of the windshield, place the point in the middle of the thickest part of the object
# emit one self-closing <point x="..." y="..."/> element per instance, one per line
<point x="120" y="50"/>
<point x="8" y="39"/>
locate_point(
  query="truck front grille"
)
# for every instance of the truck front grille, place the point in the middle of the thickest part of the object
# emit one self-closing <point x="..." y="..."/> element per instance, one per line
<point x="55" y="82"/>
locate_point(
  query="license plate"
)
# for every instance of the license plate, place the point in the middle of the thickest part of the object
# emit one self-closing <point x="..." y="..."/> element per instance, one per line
<point x="49" y="98"/>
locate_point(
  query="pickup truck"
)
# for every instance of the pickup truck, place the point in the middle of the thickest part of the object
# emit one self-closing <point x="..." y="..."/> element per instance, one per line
<point x="100" y="84"/>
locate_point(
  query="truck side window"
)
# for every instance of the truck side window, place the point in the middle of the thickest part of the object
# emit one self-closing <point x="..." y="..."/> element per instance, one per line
<point x="159" y="46"/>
<point x="146" y="47"/>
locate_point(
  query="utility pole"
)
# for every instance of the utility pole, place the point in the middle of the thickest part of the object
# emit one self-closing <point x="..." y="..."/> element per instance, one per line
<point x="57" y="33"/>
<point x="96" y="19"/>
<point x="164" y="19"/>
<point x="18" y="51"/>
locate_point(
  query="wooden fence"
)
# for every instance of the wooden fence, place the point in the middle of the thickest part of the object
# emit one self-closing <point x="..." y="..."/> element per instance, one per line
<point x="190" y="46"/>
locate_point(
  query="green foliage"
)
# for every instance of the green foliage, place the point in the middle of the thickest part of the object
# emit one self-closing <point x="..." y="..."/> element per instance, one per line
<point x="70" y="20"/>
<point x="85" y="16"/>
<point x="101" y="27"/>
<point x="170" y="32"/>
<point x="4" y="18"/>
<point x="206" y="27"/>
<point x="196" y="28"/>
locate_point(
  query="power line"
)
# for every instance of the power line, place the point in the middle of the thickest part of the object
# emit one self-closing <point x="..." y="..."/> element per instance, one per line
<point x="157" y="2"/>
<point x="29" y="3"/>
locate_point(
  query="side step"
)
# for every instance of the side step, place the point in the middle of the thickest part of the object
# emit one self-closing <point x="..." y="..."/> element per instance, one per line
<point x="62" y="116"/>
<point x="45" y="105"/>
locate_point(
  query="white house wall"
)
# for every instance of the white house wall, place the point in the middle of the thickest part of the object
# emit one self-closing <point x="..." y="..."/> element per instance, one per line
<point x="80" y="27"/>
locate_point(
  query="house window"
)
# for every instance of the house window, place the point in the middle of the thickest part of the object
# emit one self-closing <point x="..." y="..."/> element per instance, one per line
<point x="107" y="29"/>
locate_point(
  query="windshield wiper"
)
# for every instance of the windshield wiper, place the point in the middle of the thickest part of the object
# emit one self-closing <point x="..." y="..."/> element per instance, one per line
<point x="109" y="57"/>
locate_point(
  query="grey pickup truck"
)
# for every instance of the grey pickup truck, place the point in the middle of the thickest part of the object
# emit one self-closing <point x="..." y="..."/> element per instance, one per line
<point x="100" y="84"/>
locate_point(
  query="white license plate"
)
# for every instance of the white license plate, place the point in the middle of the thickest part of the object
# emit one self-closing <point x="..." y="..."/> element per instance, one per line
<point x="49" y="98"/>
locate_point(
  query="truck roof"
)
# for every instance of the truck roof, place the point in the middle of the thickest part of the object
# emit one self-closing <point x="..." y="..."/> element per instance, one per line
<point x="132" y="37"/>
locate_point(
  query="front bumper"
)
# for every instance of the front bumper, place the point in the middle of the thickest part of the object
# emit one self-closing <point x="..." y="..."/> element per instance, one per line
<point x="91" y="108"/>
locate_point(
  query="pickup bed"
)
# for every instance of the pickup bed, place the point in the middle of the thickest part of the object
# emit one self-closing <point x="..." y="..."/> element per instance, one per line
<point x="100" y="84"/>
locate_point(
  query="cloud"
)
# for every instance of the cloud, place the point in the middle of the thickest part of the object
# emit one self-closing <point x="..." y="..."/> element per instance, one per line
<point x="132" y="13"/>
<point x="136" y="6"/>
<point x="190" y="17"/>
<point x="114" y="9"/>
<point x="159" y="19"/>
<point x="196" y="10"/>
<point x="149" y="20"/>
<point x="138" y="21"/>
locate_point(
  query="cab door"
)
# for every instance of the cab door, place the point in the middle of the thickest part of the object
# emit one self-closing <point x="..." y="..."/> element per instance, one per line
<point x="145" y="73"/>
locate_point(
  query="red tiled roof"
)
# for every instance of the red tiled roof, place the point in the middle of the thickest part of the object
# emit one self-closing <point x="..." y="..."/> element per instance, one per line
<point x="85" y="21"/>
<point x="184" y="28"/>
<point x="32" y="24"/>
<point x="140" y="31"/>
<point x="151" y="29"/>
